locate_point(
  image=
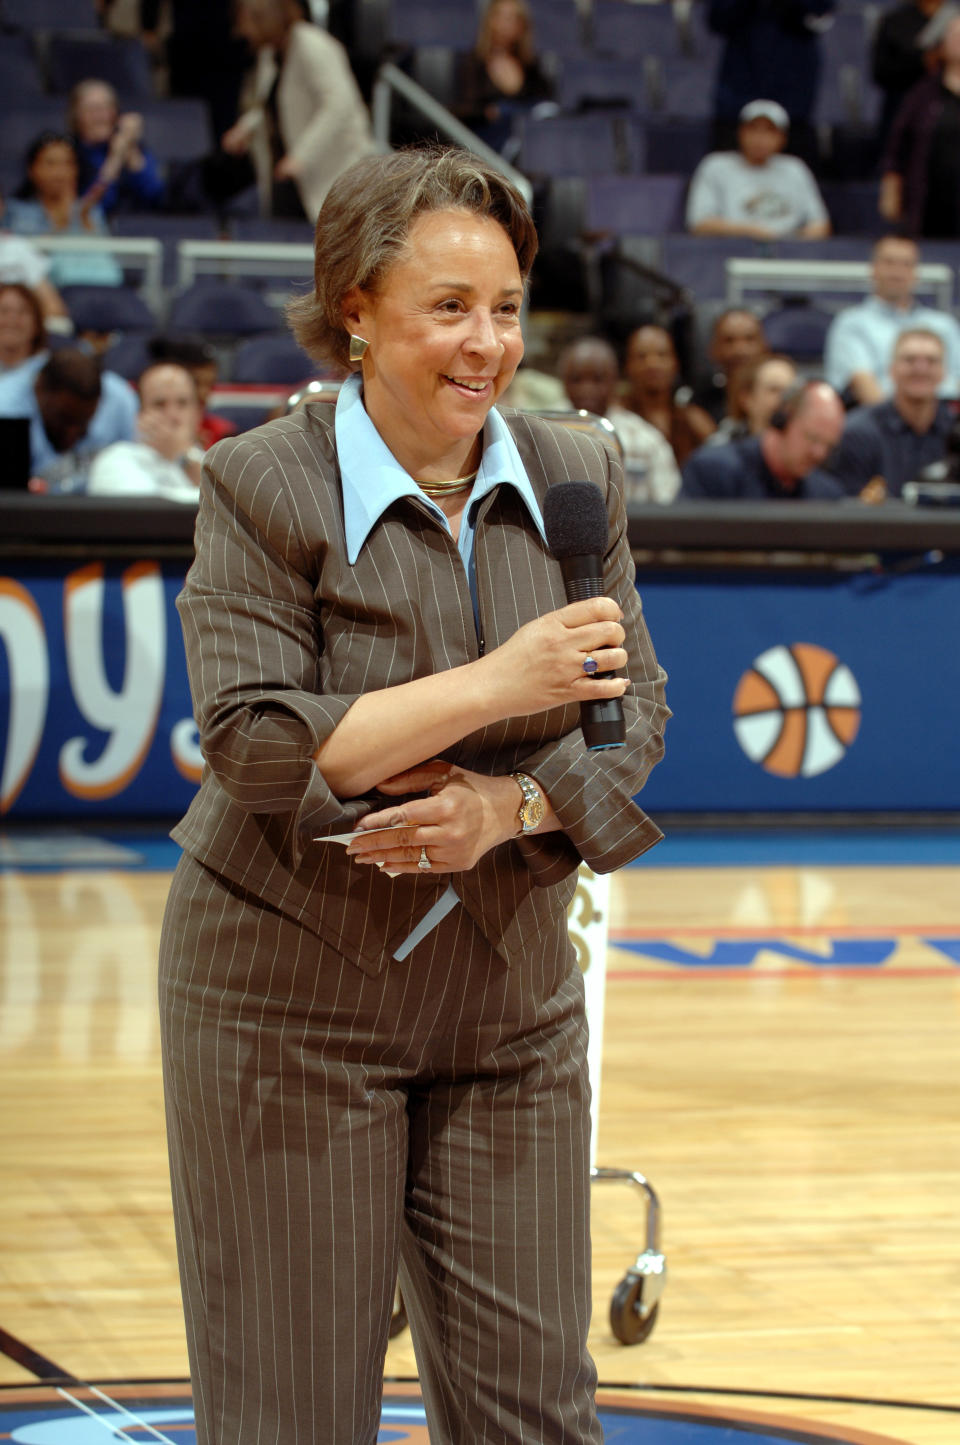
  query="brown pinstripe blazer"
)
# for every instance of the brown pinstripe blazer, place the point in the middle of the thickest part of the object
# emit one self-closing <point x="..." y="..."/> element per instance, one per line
<point x="282" y="635"/>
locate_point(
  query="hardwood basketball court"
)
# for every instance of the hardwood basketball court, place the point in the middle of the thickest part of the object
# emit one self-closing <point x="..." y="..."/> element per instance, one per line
<point x="781" y="1058"/>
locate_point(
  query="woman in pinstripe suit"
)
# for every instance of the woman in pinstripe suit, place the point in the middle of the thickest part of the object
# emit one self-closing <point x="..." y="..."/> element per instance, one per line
<point x="375" y="1055"/>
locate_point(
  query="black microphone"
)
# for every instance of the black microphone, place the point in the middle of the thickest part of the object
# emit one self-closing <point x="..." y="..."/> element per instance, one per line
<point x="575" y="520"/>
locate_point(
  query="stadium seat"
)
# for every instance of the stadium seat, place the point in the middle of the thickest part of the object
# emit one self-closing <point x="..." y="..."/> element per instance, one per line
<point x="51" y="15"/>
<point x="434" y="22"/>
<point x="595" y="143"/>
<point x="271" y="359"/>
<point x="590" y="81"/>
<point x="223" y="308"/>
<point x="557" y="27"/>
<point x="124" y="64"/>
<point x="669" y="145"/>
<point x="20" y="76"/>
<point x="176" y="128"/>
<point x="129" y="355"/>
<point x="634" y="31"/>
<point x="799" y="330"/>
<point x="635" y="205"/>
<point x="108" y="308"/>
<point x="699" y="263"/>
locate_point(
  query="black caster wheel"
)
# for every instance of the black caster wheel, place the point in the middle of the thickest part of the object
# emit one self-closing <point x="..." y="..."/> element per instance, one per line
<point x="398" y="1320"/>
<point x="626" y="1321"/>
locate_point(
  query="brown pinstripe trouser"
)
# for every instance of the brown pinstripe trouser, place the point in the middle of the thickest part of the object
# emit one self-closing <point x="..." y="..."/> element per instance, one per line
<point x="325" y="1127"/>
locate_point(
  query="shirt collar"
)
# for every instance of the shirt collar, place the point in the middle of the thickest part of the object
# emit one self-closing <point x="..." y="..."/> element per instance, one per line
<point x="372" y="478"/>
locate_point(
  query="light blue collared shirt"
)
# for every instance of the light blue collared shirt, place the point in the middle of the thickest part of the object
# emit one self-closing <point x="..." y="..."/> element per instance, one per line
<point x="372" y="479"/>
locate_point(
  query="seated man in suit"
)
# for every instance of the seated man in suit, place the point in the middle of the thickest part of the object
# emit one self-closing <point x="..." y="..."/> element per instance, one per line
<point x="74" y="412"/>
<point x="784" y="462"/>
<point x="891" y="442"/>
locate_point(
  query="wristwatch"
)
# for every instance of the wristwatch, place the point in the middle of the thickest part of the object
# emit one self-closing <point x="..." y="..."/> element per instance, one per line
<point x="532" y="809"/>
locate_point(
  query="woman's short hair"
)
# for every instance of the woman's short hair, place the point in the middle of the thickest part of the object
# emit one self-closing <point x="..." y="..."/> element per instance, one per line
<point x="366" y="217"/>
<point x="39" y="339"/>
<point x="79" y="94"/>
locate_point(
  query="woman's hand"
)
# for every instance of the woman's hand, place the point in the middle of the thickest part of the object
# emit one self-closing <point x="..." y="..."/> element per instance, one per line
<point x="236" y="140"/>
<point x="890" y="204"/>
<point x="541" y="665"/>
<point x="462" y="816"/>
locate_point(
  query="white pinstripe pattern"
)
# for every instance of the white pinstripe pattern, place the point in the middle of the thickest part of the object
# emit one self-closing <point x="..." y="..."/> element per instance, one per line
<point x="329" y="1122"/>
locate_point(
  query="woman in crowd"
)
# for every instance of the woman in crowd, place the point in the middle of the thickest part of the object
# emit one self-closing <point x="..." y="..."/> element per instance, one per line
<point x="48" y="203"/>
<point x="652" y="371"/>
<point x="754" y="392"/>
<point x="375" y="1054"/>
<point x="309" y="121"/>
<point x="501" y="76"/>
<point x="116" y="170"/>
<point x="23" y="341"/>
<point x="921" y="167"/>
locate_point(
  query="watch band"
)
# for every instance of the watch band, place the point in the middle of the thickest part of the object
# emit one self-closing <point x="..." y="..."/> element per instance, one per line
<point x="532" y="809"/>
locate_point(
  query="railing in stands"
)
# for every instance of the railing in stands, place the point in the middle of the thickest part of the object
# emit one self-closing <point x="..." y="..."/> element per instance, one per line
<point x="242" y="258"/>
<point x="746" y="275"/>
<point x="140" y="253"/>
<point x="392" y="81"/>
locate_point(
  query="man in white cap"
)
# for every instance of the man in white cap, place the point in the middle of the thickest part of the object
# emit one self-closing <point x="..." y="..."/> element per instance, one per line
<point x="756" y="190"/>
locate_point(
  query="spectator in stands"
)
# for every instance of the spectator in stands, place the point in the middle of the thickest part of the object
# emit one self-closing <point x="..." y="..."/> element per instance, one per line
<point x="200" y="359"/>
<point x="897" y="60"/>
<point x="74" y="412"/>
<point x="892" y="442"/>
<point x="652" y="372"/>
<point x="166" y="459"/>
<point x="203" y="58"/>
<point x="116" y="171"/>
<point x="23" y="339"/>
<point x="755" y="391"/>
<point x="48" y="203"/>
<point x="859" y="343"/>
<point x="784" y="462"/>
<point x="309" y="121"/>
<point x="737" y="337"/>
<point x="771" y="50"/>
<point x="755" y="190"/>
<point x="920" y="187"/>
<point x="502" y="75"/>
<point x="591" y="378"/>
<point x="24" y="264"/>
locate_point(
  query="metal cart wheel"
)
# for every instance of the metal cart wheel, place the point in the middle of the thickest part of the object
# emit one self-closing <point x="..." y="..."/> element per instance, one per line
<point x="636" y="1300"/>
<point x="627" y="1320"/>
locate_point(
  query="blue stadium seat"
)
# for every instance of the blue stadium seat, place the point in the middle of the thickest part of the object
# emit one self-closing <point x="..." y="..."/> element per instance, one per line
<point x="20" y="76"/>
<point x="680" y="85"/>
<point x="434" y="22"/>
<point x="700" y="262"/>
<point x="223" y="308"/>
<point x="23" y="122"/>
<point x="169" y="230"/>
<point x="176" y="129"/>
<point x="594" y="143"/>
<point x="129" y="355"/>
<point x="635" y="205"/>
<point x="108" y="308"/>
<point x="51" y="14"/>
<point x="271" y="359"/>
<point x="124" y="64"/>
<point x="799" y="330"/>
<point x="557" y="27"/>
<point x="634" y="31"/>
<point x="590" y="80"/>
<point x="672" y="145"/>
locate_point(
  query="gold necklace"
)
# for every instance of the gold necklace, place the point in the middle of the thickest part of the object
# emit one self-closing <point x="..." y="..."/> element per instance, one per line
<point x="433" y="490"/>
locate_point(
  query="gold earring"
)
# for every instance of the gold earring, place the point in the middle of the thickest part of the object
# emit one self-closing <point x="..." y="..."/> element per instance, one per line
<point x="357" y="347"/>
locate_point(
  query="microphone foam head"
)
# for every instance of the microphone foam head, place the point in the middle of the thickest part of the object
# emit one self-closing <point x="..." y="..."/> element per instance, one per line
<point x="575" y="520"/>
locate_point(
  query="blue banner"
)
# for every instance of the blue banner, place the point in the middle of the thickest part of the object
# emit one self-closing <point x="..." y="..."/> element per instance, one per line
<point x="790" y="692"/>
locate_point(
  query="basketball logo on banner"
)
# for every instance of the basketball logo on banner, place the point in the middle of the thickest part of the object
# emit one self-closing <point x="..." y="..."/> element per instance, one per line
<point x="797" y="710"/>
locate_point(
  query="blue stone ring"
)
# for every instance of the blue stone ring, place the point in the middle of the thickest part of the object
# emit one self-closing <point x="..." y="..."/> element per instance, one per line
<point x="590" y="665"/>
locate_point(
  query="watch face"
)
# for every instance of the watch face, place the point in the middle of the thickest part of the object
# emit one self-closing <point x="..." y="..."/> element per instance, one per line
<point x="532" y="812"/>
